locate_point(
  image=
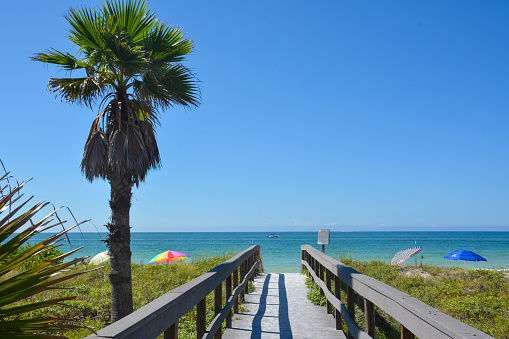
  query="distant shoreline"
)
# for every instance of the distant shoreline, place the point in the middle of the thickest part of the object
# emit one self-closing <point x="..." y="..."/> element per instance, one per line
<point x="269" y="232"/>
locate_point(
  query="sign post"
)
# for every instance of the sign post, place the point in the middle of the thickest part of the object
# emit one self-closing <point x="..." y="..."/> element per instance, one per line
<point x="323" y="238"/>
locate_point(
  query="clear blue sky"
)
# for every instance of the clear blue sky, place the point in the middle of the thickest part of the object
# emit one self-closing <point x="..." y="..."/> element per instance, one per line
<point x="351" y="115"/>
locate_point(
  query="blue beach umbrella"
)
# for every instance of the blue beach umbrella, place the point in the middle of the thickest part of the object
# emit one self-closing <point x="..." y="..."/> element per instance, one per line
<point x="464" y="255"/>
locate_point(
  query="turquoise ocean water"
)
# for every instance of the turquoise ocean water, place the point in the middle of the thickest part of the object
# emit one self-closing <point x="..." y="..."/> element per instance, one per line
<point x="283" y="254"/>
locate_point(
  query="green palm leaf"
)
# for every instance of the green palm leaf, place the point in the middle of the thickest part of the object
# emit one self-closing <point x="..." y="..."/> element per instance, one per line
<point x="131" y="17"/>
<point x="86" y="26"/>
<point x="17" y="226"/>
<point x="64" y="60"/>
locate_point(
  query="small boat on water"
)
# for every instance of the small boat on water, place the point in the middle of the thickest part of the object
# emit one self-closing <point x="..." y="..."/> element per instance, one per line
<point x="273" y="235"/>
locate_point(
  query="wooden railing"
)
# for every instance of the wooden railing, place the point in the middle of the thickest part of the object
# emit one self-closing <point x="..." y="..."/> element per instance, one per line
<point x="416" y="318"/>
<point x="162" y="315"/>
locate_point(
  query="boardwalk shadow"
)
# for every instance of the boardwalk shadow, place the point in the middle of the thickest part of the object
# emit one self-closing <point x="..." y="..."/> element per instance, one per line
<point x="284" y="319"/>
<point x="285" y="330"/>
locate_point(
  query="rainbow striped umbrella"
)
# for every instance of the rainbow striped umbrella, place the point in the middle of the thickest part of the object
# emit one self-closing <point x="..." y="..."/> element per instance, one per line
<point x="404" y="255"/>
<point x="99" y="258"/>
<point x="168" y="256"/>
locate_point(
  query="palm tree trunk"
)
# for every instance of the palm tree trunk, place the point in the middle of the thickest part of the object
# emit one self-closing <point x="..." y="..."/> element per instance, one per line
<point x="119" y="242"/>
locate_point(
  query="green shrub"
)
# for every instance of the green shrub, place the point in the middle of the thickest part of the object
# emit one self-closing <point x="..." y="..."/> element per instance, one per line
<point x="50" y="253"/>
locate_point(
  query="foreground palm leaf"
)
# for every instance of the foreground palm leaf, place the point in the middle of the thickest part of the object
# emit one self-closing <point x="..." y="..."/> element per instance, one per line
<point x="17" y="226"/>
<point x="131" y="62"/>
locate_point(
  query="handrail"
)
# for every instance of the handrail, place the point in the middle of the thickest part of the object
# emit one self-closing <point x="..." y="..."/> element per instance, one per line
<point x="163" y="314"/>
<point x="415" y="317"/>
<point x="221" y="316"/>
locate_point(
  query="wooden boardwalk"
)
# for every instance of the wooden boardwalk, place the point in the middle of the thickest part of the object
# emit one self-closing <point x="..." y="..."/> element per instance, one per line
<point x="279" y="308"/>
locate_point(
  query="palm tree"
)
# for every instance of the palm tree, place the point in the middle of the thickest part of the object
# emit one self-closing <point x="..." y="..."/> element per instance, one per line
<point x="132" y="63"/>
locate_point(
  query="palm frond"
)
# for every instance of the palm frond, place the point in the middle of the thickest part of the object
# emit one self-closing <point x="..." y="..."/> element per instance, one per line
<point x="86" y="27"/>
<point x="94" y="163"/>
<point x="180" y="87"/>
<point x="174" y="85"/>
<point x="136" y="157"/>
<point x="17" y="284"/>
<point x="64" y="60"/>
<point x="149" y="139"/>
<point x="78" y="90"/>
<point x="126" y="55"/>
<point x="132" y="17"/>
<point x="167" y="45"/>
<point x="116" y="158"/>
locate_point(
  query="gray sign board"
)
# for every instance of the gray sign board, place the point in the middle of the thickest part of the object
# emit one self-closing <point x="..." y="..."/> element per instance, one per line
<point x="323" y="237"/>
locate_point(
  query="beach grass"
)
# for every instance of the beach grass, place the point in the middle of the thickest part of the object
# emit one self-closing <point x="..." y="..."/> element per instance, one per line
<point x="479" y="298"/>
<point x="92" y="305"/>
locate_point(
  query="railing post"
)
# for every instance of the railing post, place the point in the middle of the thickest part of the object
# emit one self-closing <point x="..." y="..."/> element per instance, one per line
<point x="337" y="293"/>
<point x="302" y="255"/>
<point x="218" y="305"/>
<point x="241" y="277"/>
<point x="405" y="333"/>
<point x="248" y="265"/>
<point x="350" y="305"/>
<point x="235" y="284"/>
<point x="246" y="269"/>
<point x="308" y="260"/>
<point x="228" y="287"/>
<point x="369" y="315"/>
<point x="256" y="257"/>
<point x="172" y="332"/>
<point x="201" y="321"/>
<point x="260" y="257"/>
<point x="327" y="278"/>
<point x="321" y="278"/>
<point x="251" y="263"/>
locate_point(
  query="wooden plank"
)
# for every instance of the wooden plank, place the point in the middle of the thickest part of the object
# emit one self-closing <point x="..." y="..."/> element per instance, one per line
<point x="337" y="293"/>
<point x="228" y="287"/>
<point x="172" y="332"/>
<point x="201" y="321"/>
<point x="369" y="316"/>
